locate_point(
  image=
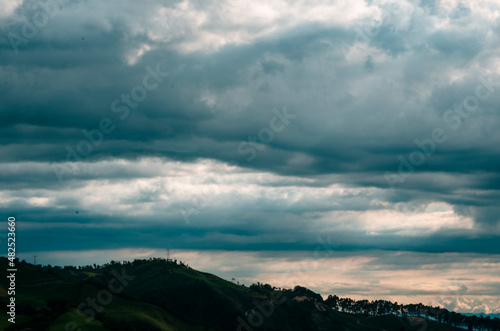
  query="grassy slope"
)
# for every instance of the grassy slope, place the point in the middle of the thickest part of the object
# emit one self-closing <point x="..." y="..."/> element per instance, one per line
<point x="120" y="310"/>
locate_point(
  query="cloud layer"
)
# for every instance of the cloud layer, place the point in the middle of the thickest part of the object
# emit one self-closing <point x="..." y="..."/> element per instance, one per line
<point x="253" y="127"/>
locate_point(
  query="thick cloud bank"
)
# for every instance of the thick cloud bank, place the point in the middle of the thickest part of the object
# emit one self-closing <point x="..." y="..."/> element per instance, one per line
<point x="253" y="126"/>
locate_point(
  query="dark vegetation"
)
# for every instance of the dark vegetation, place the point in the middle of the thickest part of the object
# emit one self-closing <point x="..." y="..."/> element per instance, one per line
<point x="169" y="295"/>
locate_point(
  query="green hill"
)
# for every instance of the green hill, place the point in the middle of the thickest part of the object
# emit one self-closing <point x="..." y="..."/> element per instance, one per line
<point x="164" y="295"/>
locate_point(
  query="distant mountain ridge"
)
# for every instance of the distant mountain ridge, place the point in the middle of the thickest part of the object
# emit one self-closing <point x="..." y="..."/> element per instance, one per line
<point x="157" y="294"/>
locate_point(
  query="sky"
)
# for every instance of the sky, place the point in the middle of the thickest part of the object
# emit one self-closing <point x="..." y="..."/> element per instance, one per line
<point x="351" y="147"/>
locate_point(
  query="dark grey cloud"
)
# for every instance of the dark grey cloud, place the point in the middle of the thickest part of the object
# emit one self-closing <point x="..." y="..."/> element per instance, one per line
<point x="355" y="114"/>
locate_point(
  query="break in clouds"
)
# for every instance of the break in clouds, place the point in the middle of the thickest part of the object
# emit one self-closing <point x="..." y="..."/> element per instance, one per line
<point x="258" y="127"/>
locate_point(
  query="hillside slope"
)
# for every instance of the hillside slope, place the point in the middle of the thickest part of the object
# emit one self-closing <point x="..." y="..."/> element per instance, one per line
<point x="166" y="295"/>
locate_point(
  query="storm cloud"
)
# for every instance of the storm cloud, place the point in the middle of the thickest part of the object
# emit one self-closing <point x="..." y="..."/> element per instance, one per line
<point x="256" y="127"/>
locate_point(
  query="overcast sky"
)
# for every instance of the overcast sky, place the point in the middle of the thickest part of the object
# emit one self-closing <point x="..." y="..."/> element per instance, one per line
<point x="254" y="137"/>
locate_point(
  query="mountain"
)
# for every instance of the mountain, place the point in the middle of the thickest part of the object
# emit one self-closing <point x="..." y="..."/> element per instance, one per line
<point x="157" y="294"/>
